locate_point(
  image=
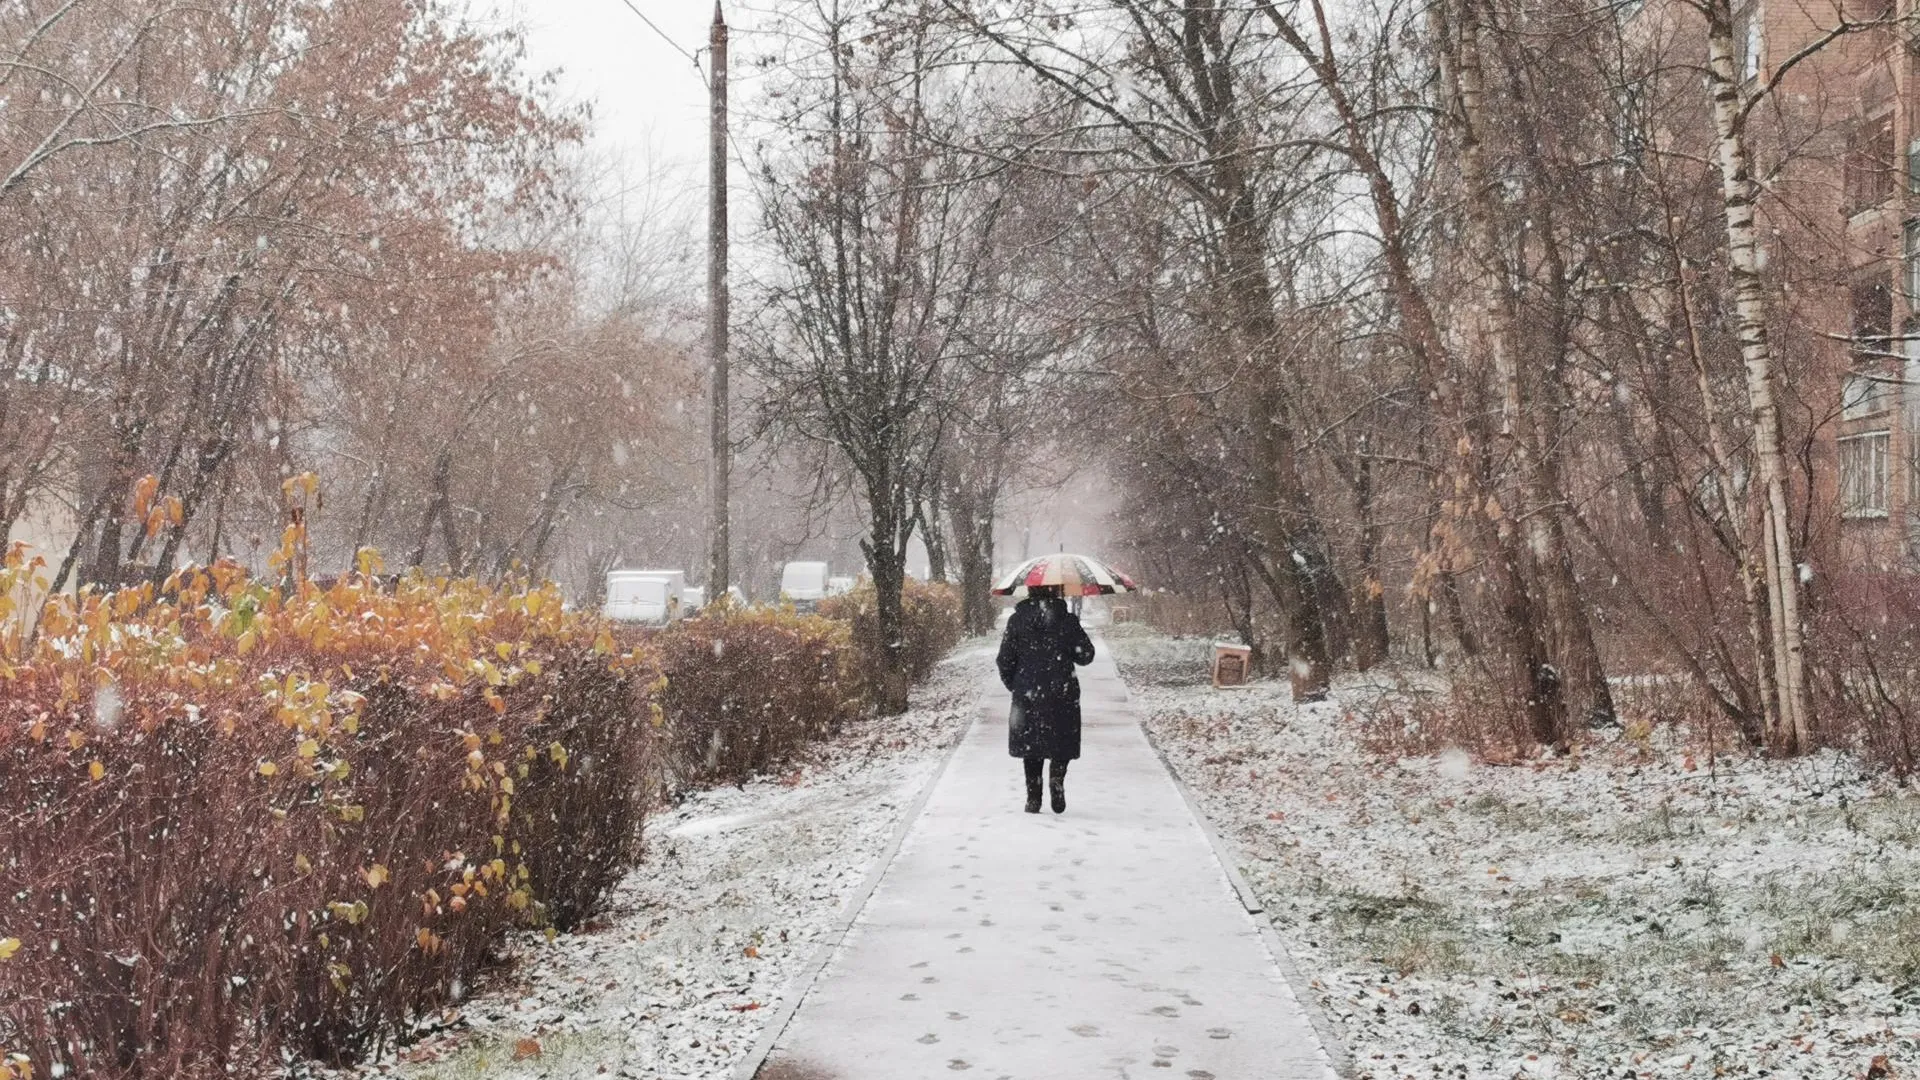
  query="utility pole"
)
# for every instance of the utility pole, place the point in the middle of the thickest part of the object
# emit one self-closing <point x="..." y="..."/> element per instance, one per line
<point x="718" y="302"/>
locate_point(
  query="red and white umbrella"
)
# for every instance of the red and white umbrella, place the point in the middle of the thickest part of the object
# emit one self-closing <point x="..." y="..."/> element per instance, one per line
<point x="1076" y="575"/>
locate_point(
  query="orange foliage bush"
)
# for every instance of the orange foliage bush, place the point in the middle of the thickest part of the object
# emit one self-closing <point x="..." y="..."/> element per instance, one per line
<point x="746" y="689"/>
<point x="243" y="823"/>
<point x="932" y="629"/>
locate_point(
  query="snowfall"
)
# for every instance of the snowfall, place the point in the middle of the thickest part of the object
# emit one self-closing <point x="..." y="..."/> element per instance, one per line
<point x="1646" y="907"/>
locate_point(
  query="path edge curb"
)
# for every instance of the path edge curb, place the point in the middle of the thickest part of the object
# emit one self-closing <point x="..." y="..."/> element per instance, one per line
<point x="798" y="990"/>
<point x="1330" y="1043"/>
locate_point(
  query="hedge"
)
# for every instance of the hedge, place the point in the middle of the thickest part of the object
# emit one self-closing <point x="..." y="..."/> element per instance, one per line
<point x="242" y="823"/>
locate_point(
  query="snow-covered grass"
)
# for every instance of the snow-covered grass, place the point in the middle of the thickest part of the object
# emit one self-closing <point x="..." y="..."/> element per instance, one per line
<point x="1638" y="909"/>
<point x="739" y="886"/>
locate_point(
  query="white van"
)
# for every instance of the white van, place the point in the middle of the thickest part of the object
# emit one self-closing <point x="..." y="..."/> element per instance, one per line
<point x="803" y="584"/>
<point x="650" y="597"/>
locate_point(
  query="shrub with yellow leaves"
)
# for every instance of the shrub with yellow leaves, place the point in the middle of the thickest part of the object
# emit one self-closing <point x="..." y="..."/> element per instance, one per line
<point x="245" y="820"/>
<point x="747" y="688"/>
<point x="932" y="628"/>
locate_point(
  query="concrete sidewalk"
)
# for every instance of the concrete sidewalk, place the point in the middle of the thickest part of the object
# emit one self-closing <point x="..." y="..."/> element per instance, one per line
<point x="1106" y="942"/>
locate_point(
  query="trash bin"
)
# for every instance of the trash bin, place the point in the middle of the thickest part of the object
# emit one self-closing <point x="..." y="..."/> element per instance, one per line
<point x="1231" y="662"/>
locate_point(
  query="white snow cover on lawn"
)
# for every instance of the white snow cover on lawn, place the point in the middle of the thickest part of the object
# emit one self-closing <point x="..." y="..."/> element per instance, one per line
<point x="739" y="887"/>
<point x="1627" y="912"/>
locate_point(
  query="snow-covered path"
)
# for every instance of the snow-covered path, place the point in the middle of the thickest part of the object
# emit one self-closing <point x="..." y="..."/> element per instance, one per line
<point x="1106" y="942"/>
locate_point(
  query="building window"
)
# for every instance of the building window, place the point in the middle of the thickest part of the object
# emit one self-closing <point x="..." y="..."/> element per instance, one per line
<point x="1910" y="262"/>
<point x="1872" y="325"/>
<point x="1870" y="163"/>
<point x="1862" y="396"/>
<point x="1751" y="43"/>
<point x="1863" y="475"/>
<point x="1910" y="378"/>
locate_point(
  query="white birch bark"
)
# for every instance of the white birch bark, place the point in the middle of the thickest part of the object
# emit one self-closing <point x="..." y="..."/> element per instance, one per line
<point x="1739" y="193"/>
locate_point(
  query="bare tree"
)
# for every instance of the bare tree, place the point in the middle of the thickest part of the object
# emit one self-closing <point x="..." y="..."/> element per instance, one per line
<point x="880" y="230"/>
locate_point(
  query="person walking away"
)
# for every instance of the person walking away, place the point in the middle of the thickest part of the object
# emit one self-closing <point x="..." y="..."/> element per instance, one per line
<point x="1043" y="644"/>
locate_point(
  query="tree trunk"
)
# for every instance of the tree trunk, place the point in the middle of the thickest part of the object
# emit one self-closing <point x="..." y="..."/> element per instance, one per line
<point x="933" y="532"/>
<point x="439" y="506"/>
<point x="1309" y="662"/>
<point x="1371" y="641"/>
<point x="1780" y="567"/>
<point x="1459" y="36"/>
<point x="1300" y="570"/>
<point x="888" y="570"/>
<point x="1752" y="576"/>
<point x="970" y="520"/>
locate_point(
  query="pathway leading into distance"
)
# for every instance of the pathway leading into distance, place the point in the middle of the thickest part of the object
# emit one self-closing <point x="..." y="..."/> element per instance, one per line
<point x="1105" y="942"/>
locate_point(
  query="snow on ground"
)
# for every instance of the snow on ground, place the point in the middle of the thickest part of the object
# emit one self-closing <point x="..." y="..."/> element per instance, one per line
<point x="1636" y="910"/>
<point x="739" y="887"/>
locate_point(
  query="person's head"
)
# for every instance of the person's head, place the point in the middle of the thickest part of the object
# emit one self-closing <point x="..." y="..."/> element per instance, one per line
<point x="1047" y="592"/>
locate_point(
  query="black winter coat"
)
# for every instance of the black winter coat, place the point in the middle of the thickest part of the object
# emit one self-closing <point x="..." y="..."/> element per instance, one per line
<point x="1043" y="643"/>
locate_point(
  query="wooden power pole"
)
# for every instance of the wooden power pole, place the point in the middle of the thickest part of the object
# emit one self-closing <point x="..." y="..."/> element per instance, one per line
<point x="718" y="302"/>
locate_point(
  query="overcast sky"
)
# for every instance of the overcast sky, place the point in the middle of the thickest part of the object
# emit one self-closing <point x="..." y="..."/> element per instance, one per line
<point x="650" y="105"/>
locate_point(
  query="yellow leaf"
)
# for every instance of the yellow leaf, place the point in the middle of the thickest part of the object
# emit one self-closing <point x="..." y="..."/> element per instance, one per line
<point x="268" y="768"/>
<point x="302" y="864"/>
<point x="9" y="946"/>
<point x="75" y="739"/>
<point x="308" y="748"/>
<point x="38" y="732"/>
<point x="503" y="650"/>
<point x="96" y="770"/>
<point x="376" y="876"/>
<point x="533" y="668"/>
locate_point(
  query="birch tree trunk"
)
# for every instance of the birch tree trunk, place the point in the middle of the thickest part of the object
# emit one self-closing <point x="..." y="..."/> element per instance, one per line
<point x="1459" y="33"/>
<point x="1780" y="568"/>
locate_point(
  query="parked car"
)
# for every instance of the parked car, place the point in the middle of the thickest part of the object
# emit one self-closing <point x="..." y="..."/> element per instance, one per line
<point x="804" y="584"/>
<point x="839" y="585"/>
<point x="694" y="598"/>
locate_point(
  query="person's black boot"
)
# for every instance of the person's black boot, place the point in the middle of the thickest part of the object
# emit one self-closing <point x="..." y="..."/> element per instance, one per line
<point x="1058" y="783"/>
<point x="1033" y="787"/>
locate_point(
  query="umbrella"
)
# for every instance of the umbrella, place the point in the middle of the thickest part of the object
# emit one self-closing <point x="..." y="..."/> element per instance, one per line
<point x="1077" y="575"/>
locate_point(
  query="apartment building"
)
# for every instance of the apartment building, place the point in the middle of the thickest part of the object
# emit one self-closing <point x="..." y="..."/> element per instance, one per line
<point x="1867" y="446"/>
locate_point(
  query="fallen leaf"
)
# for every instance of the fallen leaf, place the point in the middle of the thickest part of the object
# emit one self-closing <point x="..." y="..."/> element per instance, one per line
<point x="748" y="1007"/>
<point x="751" y="952"/>
<point x="1777" y="961"/>
<point x="1880" y="1068"/>
<point x="526" y="1048"/>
